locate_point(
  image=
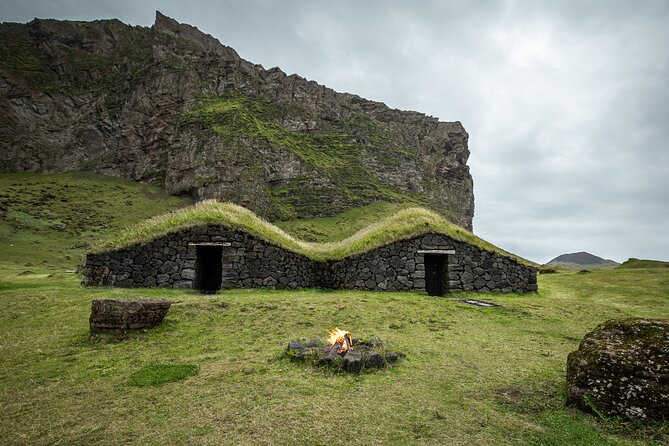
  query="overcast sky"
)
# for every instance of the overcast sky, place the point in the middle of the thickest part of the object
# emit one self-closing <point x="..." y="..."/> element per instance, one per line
<point x="566" y="102"/>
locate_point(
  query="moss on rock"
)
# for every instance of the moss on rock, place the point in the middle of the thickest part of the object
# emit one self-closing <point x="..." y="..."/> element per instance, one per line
<point x="622" y="369"/>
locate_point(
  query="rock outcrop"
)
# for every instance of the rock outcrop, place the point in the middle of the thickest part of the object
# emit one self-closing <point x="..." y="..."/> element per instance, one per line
<point x="118" y="315"/>
<point x="622" y="369"/>
<point x="171" y="105"/>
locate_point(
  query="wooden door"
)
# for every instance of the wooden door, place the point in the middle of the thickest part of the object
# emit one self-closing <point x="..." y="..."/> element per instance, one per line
<point x="209" y="269"/>
<point x="435" y="274"/>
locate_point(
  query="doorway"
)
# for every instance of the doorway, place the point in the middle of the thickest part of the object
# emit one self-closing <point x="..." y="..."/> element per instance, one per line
<point x="435" y="274"/>
<point x="209" y="268"/>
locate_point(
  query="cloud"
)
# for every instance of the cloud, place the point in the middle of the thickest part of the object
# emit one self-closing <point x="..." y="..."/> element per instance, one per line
<point x="566" y="103"/>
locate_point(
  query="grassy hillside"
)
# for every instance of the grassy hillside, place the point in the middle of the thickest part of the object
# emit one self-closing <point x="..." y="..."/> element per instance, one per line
<point x="641" y="263"/>
<point x="341" y="226"/>
<point x="52" y="219"/>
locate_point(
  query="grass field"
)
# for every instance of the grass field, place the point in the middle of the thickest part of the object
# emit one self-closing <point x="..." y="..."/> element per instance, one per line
<point x="471" y="376"/>
<point x="213" y="371"/>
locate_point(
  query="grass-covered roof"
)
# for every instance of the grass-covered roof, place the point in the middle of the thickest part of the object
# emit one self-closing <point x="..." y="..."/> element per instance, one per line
<point x="403" y="225"/>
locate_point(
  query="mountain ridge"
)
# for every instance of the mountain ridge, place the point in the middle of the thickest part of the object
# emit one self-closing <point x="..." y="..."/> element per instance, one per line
<point x="171" y="105"/>
<point x="581" y="260"/>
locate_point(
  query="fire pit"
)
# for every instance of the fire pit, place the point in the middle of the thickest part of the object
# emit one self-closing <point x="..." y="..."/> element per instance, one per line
<point x="343" y="352"/>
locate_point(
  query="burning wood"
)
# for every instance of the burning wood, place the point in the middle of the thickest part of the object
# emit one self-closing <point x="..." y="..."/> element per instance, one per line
<point x="341" y="339"/>
<point x="340" y="354"/>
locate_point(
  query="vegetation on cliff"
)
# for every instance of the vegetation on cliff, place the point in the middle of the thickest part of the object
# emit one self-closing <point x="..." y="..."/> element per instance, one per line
<point x="336" y="153"/>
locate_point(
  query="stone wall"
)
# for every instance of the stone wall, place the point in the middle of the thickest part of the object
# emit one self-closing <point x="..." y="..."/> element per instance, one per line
<point x="400" y="267"/>
<point x="249" y="262"/>
<point x="170" y="262"/>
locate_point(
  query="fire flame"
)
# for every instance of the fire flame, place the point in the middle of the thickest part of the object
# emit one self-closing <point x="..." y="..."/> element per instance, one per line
<point x="341" y="337"/>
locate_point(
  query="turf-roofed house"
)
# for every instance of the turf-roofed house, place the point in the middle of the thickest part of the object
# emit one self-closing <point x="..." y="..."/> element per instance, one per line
<point x="212" y="246"/>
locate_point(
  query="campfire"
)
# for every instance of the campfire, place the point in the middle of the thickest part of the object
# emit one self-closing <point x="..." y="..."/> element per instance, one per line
<point x="341" y="339"/>
<point x="343" y="352"/>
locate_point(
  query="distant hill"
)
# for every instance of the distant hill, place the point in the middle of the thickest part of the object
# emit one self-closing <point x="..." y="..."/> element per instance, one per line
<point x="581" y="260"/>
<point x="641" y="263"/>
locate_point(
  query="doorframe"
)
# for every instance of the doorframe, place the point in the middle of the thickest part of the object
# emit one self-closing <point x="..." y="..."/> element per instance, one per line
<point x="445" y="271"/>
<point x="192" y="251"/>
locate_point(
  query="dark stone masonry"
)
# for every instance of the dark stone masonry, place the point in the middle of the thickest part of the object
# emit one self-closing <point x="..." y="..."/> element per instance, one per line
<point x="212" y="257"/>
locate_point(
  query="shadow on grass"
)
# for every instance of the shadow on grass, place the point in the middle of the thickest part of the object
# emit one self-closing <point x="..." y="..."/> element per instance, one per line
<point x="559" y="425"/>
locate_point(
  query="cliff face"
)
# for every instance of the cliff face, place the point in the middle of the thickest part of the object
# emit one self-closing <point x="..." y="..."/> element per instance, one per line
<point x="171" y="105"/>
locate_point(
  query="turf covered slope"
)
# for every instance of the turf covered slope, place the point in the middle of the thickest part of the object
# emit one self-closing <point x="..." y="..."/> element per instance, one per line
<point x="643" y="263"/>
<point x="50" y="220"/>
<point x="403" y="225"/>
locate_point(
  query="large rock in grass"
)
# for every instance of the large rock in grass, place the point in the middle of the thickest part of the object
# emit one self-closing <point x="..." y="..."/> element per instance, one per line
<point x="116" y="315"/>
<point x="622" y="369"/>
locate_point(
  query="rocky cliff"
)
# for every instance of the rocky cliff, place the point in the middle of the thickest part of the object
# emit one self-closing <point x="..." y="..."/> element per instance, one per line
<point x="171" y="105"/>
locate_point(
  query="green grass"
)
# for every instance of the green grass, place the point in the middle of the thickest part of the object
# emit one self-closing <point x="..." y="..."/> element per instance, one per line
<point x="341" y="226"/>
<point x="471" y="375"/>
<point x="404" y="224"/>
<point x="642" y="263"/>
<point x="51" y="220"/>
<point x="156" y="374"/>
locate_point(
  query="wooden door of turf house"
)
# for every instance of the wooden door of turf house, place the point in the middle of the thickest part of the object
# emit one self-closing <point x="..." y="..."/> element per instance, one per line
<point x="209" y="268"/>
<point x="435" y="274"/>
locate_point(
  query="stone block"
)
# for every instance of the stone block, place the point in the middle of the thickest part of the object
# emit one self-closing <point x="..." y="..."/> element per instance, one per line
<point x="269" y="282"/>
<point x="374" y="360"/>
<point x="115" y="315"/>
<point x="479" y="283"/>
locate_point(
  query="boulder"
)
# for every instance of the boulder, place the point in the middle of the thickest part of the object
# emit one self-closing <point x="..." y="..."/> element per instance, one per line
<point x="115" y="315"/>
<point x="329" y="357"/>
<point x="353" y="361"/>
<point x="374" y="360"/>
<point x="622" y="369"/>
<point x="295" y="345"/>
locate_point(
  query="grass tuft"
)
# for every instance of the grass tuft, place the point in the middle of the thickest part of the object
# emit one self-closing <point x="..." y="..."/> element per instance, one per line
<point x="156" y="374"/>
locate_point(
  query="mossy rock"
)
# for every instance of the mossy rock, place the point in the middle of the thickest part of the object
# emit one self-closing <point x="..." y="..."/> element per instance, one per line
<point x="622" y="369"/>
